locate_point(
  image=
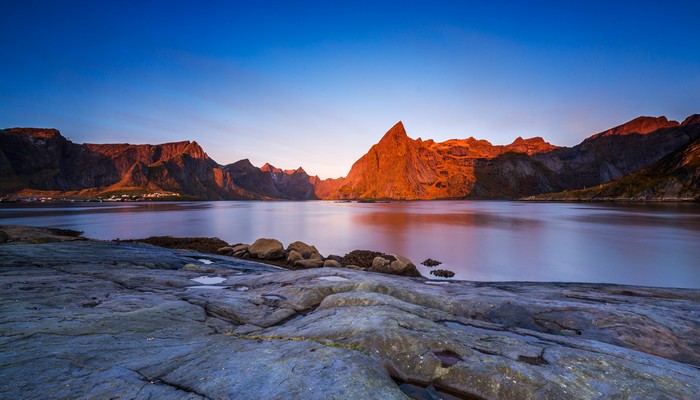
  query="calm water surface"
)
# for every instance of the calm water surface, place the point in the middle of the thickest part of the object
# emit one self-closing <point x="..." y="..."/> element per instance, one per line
<point x="655" y="245"/>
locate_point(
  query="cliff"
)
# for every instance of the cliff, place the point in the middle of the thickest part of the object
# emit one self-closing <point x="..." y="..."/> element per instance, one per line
<point x="674" y="177"/>
<point x="43" y="160"/>
<point x="397" y="167"/>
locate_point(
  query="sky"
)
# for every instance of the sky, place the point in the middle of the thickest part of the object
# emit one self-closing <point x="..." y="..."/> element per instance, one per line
<point x="317" y="83"/>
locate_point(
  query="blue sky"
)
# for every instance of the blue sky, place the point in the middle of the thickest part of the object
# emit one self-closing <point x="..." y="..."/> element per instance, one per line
<point x="315" y="84"/>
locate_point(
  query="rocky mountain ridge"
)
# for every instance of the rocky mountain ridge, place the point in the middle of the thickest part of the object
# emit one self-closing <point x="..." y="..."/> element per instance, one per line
<point x="674" y="177"/>
<point x="34" y="160"/>
<point x="397" y="167"/>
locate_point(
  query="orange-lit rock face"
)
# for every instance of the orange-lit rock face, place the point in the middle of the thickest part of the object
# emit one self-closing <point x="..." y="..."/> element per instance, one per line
<point x="399" y="167"/>
<point x="640" y="125"/>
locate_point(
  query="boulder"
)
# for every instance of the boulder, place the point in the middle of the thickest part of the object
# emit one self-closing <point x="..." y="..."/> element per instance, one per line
<point x="304" y="249"/>
<point x="379" y="264"/>
<point x="404" y="267"/>
<point x="241" y="251"/>
<point x="4" y="237"/>
<point x="399" y="266"/>
<point x="225" y="250"/>
<point x="335" y="257"/>
<point x="294" y="256"/>
<point x="314" y="263"/>
<point x="331" y="264"/>
<point x="267" y="249"/>
<point x="363" y="258"/>
<point x="442" y="273"/>
<point x="240" y="247"/>
<point x="315" y="256"/>
<point x="431" y="263"/>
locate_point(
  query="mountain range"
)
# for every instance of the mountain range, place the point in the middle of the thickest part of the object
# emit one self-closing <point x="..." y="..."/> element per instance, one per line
<point x="646" y="158"/>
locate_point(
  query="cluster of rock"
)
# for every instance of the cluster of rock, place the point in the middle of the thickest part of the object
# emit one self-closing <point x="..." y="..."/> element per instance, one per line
<point x="442" y="273"/>
<point x="103" y="319"/>
<point x="431" y="263"/>
<point x="299" y="255"/>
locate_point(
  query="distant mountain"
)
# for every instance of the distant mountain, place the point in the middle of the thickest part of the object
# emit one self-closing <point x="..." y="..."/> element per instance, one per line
<point x="34" y="161"/>
<point x="674" y="177"/>
<point x="271" y="182"/>
<point x="397" y="167"/>
<point x="618" y="151"/>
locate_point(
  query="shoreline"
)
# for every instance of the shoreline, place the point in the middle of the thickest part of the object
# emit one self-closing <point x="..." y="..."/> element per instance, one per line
<point x="212" y="245"/>
<point x="136" y="319"/>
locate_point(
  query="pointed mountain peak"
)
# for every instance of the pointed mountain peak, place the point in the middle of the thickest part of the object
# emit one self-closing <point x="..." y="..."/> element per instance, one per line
<point x="397" y="132"/>
<point x="195" y="150"/>
<point x="397" y="129"/>
<point x="269" y="168"/>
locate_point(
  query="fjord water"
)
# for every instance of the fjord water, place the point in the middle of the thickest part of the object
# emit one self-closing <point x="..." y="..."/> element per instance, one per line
<point x="650" y="245"/>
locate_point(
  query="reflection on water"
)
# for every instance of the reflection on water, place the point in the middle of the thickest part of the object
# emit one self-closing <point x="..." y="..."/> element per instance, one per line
<point x="487" y="240"/>
<point x="407" y="219"/>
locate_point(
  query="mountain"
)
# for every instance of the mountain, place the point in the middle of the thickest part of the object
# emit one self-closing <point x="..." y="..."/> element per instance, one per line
<point x="35" y="161"/>
<point x="674" y="177"/>
<point x="270" y="182"/>
<point x="398" y="167"/>
<point x="43" y="160"/>
<point x="618" y="151"/>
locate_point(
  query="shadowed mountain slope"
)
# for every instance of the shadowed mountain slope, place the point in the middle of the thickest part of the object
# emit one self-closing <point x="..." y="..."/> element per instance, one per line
<point x="397" y="167"/>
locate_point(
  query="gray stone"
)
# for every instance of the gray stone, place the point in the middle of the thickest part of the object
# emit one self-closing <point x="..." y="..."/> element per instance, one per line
<point x="267" y="249"/>
<point x="88" y="319"/>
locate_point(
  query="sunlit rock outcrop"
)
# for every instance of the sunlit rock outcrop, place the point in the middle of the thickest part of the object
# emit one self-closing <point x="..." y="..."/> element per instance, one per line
<point x="397" y="167"/>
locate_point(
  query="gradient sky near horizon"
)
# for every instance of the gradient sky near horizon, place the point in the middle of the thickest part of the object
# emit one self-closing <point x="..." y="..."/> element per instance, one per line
<point x="316" y="83"/>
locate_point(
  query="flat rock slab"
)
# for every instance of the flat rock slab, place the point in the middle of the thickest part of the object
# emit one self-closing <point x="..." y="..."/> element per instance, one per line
<point x="89" y="319"/>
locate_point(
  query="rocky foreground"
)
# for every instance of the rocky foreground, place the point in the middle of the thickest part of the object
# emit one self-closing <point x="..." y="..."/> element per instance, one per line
<point x="98" y="320"/>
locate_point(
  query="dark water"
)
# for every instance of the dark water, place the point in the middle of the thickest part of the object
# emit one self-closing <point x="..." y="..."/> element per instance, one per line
<point x="656" y="245"/>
